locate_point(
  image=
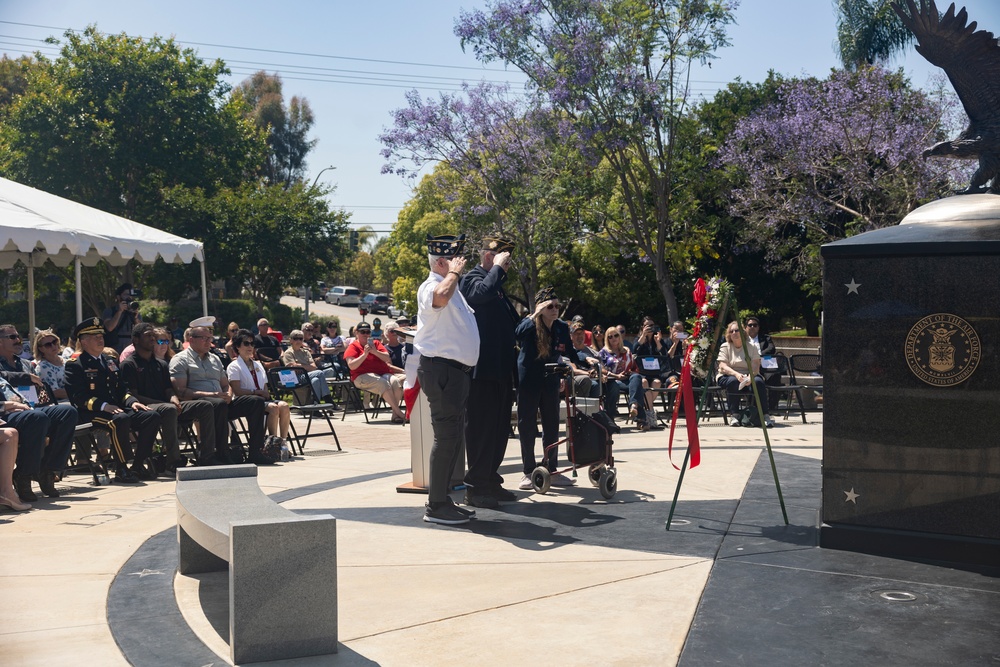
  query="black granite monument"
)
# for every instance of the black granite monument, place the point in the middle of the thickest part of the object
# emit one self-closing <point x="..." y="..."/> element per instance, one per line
<point x="911" y="370"/>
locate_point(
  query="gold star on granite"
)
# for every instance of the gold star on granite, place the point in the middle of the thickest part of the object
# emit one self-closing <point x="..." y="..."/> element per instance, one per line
<point x="852" y="287"/>
<point x="851" y="496"/>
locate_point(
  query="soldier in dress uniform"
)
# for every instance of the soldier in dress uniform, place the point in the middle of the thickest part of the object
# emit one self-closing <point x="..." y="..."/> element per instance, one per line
<point x="100" y="396"/>
<point x="492" y="390"/>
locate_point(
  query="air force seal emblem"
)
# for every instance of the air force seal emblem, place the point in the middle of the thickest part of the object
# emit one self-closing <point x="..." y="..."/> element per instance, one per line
<point x="942" y="350"/>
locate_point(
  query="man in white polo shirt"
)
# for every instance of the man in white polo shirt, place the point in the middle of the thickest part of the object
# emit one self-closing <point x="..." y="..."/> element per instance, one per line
<point x="448" y="342"/>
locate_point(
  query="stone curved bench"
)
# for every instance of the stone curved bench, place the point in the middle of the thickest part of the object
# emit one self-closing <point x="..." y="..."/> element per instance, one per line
<point x="282" y="565"/>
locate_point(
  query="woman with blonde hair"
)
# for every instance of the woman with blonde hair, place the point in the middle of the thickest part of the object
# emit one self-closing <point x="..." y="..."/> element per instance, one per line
<point x="737" y="367"/>
<point x="543" y="338"/>
<point x="618" y="365"/>
<point x="51" y="366"/>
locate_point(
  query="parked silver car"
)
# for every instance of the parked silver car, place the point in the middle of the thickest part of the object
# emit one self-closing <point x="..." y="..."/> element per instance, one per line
<point x="342" y="295"/>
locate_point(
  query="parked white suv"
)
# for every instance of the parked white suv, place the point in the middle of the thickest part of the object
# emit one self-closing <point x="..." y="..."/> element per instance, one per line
<point x="342" y="295"/>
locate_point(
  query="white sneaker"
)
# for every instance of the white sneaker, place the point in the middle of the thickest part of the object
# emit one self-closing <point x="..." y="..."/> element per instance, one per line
<point x="559" y="479"/>
<point x="768" y="421"/>
<point x="525" y="484"/>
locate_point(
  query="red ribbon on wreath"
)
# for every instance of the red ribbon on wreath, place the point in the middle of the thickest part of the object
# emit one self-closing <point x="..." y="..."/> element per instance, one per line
<point x="685" y="394"/>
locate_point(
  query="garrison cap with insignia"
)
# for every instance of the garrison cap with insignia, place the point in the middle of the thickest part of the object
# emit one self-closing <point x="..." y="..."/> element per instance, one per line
<point x="497" y="243"/>
<point x="446" y="245"/>
<point x="91" y="325"/>
<point x="546" y="294"/>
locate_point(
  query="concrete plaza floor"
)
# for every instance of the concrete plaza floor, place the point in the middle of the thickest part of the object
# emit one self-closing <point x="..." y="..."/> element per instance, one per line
<point x="565" y="578"/>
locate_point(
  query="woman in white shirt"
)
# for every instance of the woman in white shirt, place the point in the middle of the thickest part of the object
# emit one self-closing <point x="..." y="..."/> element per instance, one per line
<point x="247" y="376"/>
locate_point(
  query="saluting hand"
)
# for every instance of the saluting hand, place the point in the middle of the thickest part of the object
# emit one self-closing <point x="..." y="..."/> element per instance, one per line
<point x="456" y="264"/>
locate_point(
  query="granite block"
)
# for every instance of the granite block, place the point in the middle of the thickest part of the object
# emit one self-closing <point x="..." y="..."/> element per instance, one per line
<point x="283" y="588"/>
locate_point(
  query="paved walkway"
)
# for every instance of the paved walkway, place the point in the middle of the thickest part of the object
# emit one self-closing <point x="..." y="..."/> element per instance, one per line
<point x="562" y="579"/>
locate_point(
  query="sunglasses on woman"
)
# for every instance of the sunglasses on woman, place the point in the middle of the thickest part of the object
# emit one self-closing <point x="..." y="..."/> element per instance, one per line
<point x="51" y="343"/>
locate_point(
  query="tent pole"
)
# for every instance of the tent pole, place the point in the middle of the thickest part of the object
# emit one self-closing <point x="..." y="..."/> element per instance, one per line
<point x="204" y="290"/>
<point x="79" y="295"/>
<point x="30" y="335"/>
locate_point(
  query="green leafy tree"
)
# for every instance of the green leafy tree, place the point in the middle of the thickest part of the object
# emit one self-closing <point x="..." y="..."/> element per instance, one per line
<point x="869" y="32"/>
<point x="402" y="260"/>
<point x="115" y="121"/>
<point x="619" y="70"/>
<point x="286" y="127"/>
<point x="268" y="236"/>
<point x="14" y="73"/>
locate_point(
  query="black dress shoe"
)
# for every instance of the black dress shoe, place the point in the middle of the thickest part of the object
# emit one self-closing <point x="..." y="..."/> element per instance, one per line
<point x="22" y="484"/>
<point x="261" y="459"/>
<point x="501" y="493"/>
<point x="143" y="472"/>
<point x="481" y="500"/>
<point x="124" y="476"/>
<point x="46" y="482"/>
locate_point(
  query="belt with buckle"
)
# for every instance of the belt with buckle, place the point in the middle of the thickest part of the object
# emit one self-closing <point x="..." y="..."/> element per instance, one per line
<point x="449" y="362"/>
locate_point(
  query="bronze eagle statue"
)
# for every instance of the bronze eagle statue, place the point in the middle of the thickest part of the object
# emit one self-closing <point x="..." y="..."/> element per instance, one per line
<point x="971" y="59"/>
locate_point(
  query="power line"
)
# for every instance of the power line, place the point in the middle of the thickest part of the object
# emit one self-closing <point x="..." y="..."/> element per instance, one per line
<point x="284" y="52"/>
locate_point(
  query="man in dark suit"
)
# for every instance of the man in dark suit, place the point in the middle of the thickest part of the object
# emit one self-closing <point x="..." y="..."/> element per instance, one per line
<point x="492" y="389"/>
<point x="96" y="389"/>
<point x="766" y="347"/>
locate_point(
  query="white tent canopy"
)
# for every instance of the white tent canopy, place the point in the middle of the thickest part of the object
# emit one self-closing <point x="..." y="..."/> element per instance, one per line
<point x="36" y="226"/>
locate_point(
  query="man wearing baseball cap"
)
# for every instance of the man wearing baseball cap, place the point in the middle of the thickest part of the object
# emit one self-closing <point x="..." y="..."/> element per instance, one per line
<point x="448" y="342"/>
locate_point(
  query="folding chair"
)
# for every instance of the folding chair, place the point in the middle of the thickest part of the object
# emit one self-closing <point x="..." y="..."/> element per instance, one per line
<point x="349" y="397"/>
<point x="786" y="391"/>
<point x="808" y="370"/>
<point x="295" y="381"/>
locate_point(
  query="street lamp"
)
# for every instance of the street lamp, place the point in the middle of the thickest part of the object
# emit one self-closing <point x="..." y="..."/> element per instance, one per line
<point x="316" y="180"/>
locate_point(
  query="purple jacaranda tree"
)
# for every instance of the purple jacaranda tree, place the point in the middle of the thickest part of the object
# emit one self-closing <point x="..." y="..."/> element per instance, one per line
<point x="619" y="71"/>
<point x="833" y="158"/>
<point x="511" y="157"/>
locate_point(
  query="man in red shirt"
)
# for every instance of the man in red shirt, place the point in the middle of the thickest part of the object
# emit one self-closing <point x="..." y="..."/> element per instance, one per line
<point x="368" y="361"/>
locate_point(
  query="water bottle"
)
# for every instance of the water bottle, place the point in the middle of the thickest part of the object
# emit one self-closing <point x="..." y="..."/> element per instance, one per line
<point x="286" y="453"/>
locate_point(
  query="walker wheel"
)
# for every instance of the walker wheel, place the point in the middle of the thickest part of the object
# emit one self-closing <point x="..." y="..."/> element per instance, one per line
<point x="594" y="474"/>
<point x="609" y="484"/>
<point x="541" y="479"/>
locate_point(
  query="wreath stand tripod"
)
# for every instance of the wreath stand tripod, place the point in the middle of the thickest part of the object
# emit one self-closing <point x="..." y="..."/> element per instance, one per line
<point x="713" y="353"/>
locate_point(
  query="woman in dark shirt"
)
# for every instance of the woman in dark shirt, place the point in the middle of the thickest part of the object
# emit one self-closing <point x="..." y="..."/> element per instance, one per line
<point x="542" y="338"/>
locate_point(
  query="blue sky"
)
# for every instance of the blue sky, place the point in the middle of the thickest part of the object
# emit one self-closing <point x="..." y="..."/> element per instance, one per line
<point x="307" y="41"/>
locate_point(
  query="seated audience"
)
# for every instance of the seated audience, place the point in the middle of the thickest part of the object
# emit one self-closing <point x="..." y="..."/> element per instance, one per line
<point x="229" y="347"/>
<point x="737" y="368"/>
<point x="164" y="345"/>
<point x="617" y="362"/>
<point x="247" y="377"/>
<point x="267" y="348"/>
<point x="196" y="373"/>
<point x="50" y="366"/>
<point x="96" y="389"/>
<point x="371" y="371"/>
<point x="585" y="363"/>
<point x="45" y="432"/>
<point x="299" y="355"/>
<point x="766" y="348"/>
<point x="588" y="337"/>
<point x="649" y="343"/>
<point x="393" y="345"/>
<point x="147" y="377"/>
<point x="332" y="346"/>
